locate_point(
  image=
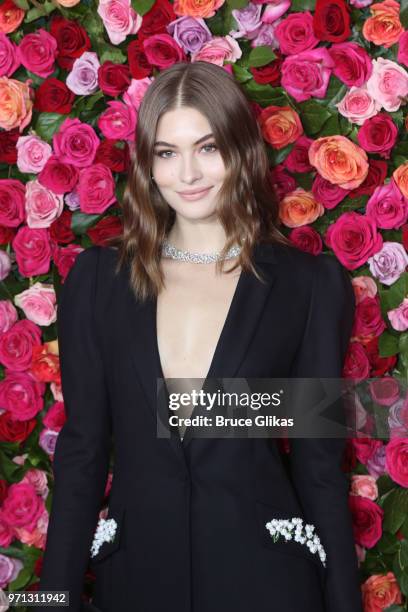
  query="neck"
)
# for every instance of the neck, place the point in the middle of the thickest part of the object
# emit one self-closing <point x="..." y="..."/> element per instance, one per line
<point x="202" y="237"/>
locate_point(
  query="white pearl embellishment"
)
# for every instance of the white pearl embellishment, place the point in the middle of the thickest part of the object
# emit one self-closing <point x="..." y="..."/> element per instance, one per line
<point x="294" y="528"/>
<point x="105" y="532"/>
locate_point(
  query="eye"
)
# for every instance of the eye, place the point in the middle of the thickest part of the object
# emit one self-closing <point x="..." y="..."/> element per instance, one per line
<point x="162" y="153"/>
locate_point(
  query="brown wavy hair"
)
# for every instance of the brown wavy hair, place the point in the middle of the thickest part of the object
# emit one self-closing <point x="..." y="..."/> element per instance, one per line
<point x="247" y="205"/>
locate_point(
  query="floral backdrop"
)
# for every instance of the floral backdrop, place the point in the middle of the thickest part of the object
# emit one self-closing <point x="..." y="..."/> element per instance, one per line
<point x="328" y="83"/>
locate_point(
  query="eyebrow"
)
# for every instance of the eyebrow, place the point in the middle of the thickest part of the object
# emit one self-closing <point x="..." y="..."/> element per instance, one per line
<point x="168" y="144"/>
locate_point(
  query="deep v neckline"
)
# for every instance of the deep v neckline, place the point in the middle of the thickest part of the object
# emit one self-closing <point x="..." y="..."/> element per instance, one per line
<point x="221" y="336"/>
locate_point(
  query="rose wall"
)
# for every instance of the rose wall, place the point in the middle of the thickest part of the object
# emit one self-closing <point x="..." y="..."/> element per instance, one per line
<point x="328" y="83"/>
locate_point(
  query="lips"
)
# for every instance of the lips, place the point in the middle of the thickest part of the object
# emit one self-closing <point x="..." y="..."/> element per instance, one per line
<point x="194" y="191"/>
<point x="195" y="195"/>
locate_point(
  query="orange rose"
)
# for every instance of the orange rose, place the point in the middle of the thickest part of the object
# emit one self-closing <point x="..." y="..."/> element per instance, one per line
<point x="384" y="27"/>
<point x="299" y="208"/>
<point x="380" y="592"/>
<point x="68" y="3"/>
<point x="339" y="161"/>
<point x="197" y="8"/>
<point x="10" y="16"/>
<point x="15" y="104"/>
<point x="280" y="125"/>
<point x="400" y="176"/>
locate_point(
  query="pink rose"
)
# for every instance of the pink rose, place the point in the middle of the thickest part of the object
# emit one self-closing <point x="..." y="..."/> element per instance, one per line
<point x="9" y="60"/>
<point x="352" y="63"/>
<point x="32" y="153"/>
<point x="218" y="50"/>
<point x="295" y="33"/>
<point x="134" y="94"/>
<point x="57" y="176"/>
<point x="353" y="238"/>
<point x="5" y="264"/>
<point x="378" y="135"/>
<point x="38" y="303"/>
<point x="402" y="56"/>
<point x="12" y="202"/>
<point x="384" y="391"/>
<point x="396" y="460"/>
<point x="38" y="478"/>
<point x="76" y="143"/>
<point x="96" y="189"/>
<point x="16" y="345"/>
<point x="387" y="206"/>
<point x="364" y="485"/>
<point x="329" y="194"/>
<point x="358" y="105"/>
<point x="33" y="250"/>
<point x="119" y="19"/>
<point x="42" y="205"/>
<point x="399" y="316"/>
<point x="8" y="315"/>
<point x="34" y="537"/>
<point x="307" y="74"/>
<point x="37" y="52"/>
<point x="22" y="506"/>
<point x="273" y="10"/>
<point x="388" y="84"/>
<point x="118" y="122"/>
<point x="367" y="520"/>
<point x="20" y="394"/>
<point x="364" y="286"/>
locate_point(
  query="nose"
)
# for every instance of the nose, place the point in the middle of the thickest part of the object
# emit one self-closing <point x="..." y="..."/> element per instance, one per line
<point x="189" y="169"/>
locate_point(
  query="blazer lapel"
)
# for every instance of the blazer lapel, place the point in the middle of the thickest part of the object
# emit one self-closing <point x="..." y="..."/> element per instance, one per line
<point x="243" y="317"/>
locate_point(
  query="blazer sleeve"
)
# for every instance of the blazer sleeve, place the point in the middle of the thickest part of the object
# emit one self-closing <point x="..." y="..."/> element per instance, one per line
<point x="82" y="451"/>
<point x="315" y="463"/>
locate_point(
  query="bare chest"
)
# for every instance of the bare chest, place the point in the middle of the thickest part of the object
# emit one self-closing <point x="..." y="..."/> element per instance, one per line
<point x="191" y="313"/>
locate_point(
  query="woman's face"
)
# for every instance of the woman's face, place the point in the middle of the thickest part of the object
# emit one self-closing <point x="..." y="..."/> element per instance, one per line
<point x="187" y="159"/>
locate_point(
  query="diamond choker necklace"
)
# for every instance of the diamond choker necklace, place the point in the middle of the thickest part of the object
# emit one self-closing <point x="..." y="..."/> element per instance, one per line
<point x="173" y="253"/>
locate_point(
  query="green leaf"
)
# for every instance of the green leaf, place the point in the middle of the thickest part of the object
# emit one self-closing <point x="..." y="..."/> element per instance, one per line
<point x="48" y="124"/>
<point x="237" y="4"/>
<point x="394" y="608"/>
<point x="314" y="116"/>
<point x="260" y="56"/>
<point x="299" y="6"/>
<point x="388" y="543"/>
<point x="23" y="4"/>
<point x="241" y="73"/>
<point x="404" y="13"/>
<point x="142" y="6"/>
<point x="266" y="95"/>
<point x="385" y="484"/>
<point x="81" y="222"/>
<point x="395" y="508"/>
<point x="109" y="52"/>
<point x="388" y="344"/>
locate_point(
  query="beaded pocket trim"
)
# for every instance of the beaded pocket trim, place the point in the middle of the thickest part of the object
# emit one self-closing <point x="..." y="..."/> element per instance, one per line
<point x="105" y="532"/>
<point x="294" y="529"/>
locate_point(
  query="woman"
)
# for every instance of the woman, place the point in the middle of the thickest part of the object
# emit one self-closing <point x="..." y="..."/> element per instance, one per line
<point x="186" y="525"/>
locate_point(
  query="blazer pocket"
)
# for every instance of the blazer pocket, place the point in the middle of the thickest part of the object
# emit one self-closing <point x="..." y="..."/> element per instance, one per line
<point x="265" y="514"/>
<point x="107" y="534"/>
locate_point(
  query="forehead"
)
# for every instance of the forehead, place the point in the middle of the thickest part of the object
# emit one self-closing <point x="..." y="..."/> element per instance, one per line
<point x="182" y="125"/>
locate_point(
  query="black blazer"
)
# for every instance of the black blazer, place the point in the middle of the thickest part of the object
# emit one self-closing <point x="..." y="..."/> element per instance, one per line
<point x="191" y="514"/>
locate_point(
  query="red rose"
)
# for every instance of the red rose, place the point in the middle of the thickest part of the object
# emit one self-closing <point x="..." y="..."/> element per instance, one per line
<point x="53" y="96"/>
<point x="378" y="134"/>
<point x="379" y="365"/>
<point x="138" y="62"/>
<point x="367" y="520"/>
<point x="307" y="239"/>
<point x="60" y="229"/>
<point x="269" y="74"/>
<point x="8" y="149"/>
<point x="72" y="40"/>
<point x="156" y="19"/>
<point x="12" y="430"/>
<point x="368" y="321"/>
<point x="16" y="349"/>
<point x="106" y="228"/>
<point x="113" y="78"/>
<point x="298" y="158"/>
<point x="12" y="202"/>
<point x="356" y="363"/>
<point x="58" y="176"/>
<point x="331" y="20"/>
<point x="64" y="259"/>
<point x="163" y="51"/>
<point x="365" y="448"/>
<point x="377" y="171"/>
<point x="114" y="154"/>
<point x="6" y="234"/>
<point x="283" y="182"/>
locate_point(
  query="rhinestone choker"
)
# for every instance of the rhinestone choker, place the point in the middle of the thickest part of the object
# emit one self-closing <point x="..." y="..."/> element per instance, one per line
<point x="173" y="253"/>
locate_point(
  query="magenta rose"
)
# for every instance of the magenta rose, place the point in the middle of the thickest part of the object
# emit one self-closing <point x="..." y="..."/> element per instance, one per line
<point x="295" y="33"/>
<point x="37" y="52"/>
<point x="378" y="134"/>
<point x="281" y="181"/>
<point x="58" y="176"/>
<point x="9" y="60"/>
<point x="20" y="393"/>
<point x="307" y="74"/>
<point x="367" y="520"/>
<point x="387" y="206"/>
<point x="162" y="50"/>
<point x="365" y="447"/>
<point x="12" y="202"/>
<point x="118" y="122"/>
<point x="327" y="193"/>
<point x="396" y="460"/>
<point x="353" y="238"/>
<point x="16" y="345"/>
<point x="356" y="364"/>
<point x="22" y="507"/>
<point x="96" y="189"/>
<point x="298" y="158"/>
<point x="402" y="56"/>
<point x="33" y="250"/>
<point x="307" y="239"/>
<point x="368" y="321"/>
<point x="76" y="143"/>
<point x="385" y="391"/>
<point x="352" y="63"/>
